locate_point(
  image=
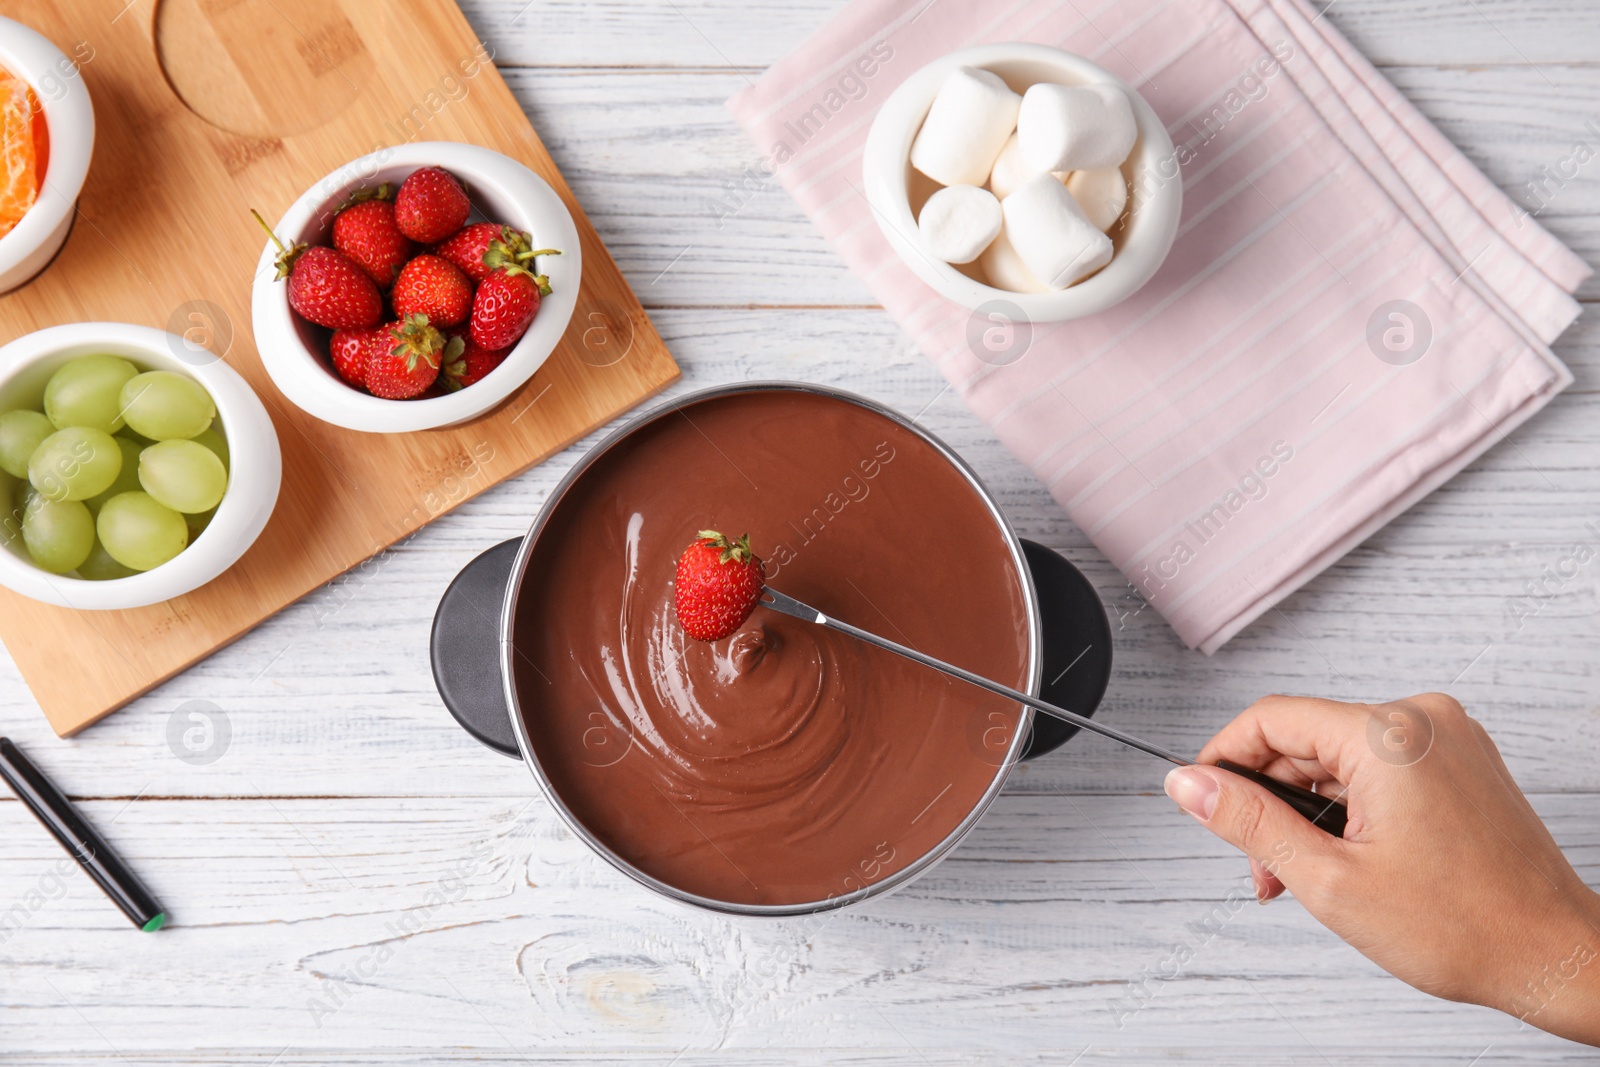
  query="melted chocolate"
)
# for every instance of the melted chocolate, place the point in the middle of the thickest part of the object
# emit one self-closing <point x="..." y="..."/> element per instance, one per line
<point x="785" y="764"/>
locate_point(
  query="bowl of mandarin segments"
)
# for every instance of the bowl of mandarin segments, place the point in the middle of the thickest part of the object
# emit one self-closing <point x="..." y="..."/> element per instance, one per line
<point x="133" y="468"/>
<point x="46" y="139"/>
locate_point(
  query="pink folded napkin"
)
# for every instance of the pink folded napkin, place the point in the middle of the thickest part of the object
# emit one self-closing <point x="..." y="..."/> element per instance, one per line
<point x="1230" y="430"/>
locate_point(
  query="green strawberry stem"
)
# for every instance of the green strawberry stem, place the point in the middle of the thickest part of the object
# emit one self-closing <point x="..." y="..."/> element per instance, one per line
<point x="286" y="256"/>
<point x="541" y="280"/>
<point x="506" y="248"/>
<point x="732" y="551"/>
<point x="382" y="192"/>
<point x="502" y="257"/>
<point x="257" y="216"/>
<point x="453" y="363"/>
<point x="417" y="339"/>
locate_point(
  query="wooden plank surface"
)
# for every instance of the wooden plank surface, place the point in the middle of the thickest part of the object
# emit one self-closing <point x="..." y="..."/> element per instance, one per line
<point x="283" y="93"/>
<point x="341" y="758"/>
<point x="365" y="921"/>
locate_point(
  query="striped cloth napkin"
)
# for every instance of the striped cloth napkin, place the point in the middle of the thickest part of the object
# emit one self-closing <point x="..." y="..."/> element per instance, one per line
<point x="1351" y="314"/>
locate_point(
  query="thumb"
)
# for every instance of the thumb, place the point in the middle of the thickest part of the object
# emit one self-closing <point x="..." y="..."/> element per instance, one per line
<point x="1264" y="828"/>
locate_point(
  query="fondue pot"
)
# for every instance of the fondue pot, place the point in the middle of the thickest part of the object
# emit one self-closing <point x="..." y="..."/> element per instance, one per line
<point x="474" y="656"/>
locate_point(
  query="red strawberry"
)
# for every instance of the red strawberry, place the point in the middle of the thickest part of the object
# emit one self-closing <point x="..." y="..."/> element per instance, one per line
<point x="365" y="231"/>
<point x="430" y="206"/>
<point x="508" y="299"/>
<point x="504" y="306"/>
<point x="470" y="365"/>
<point x="350" y="350"/>
<point x="435" y="287"/>
<point x="718" y="585"/>
<point x="467" y="247"/>
<point x="326" y="286"/>
<point x="408" y="363"/>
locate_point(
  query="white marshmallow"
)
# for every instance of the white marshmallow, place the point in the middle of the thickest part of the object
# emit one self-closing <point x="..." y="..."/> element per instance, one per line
<point x="1052" y="235"/>
<point x="1006" y="270"/>
<point x="1102" y="194"/>
<point x="958" y="222"/>
<point x="971" y="117"/>
<point x="1011" y="170"/>
<point x="1075" y="127"/>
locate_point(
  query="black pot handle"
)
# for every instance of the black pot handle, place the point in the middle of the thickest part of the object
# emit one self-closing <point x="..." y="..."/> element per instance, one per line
<point x="464" y="648"/>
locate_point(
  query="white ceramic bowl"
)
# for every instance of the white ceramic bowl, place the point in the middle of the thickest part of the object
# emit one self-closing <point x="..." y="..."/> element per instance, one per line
<point x="255" y="466"/>
<point x="69" y="119"/>
<point x="502" y="190"/>
<point x="896" y="191"/>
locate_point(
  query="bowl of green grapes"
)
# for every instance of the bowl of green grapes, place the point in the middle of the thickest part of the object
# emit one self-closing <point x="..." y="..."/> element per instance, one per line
<point x="134" y="467"/>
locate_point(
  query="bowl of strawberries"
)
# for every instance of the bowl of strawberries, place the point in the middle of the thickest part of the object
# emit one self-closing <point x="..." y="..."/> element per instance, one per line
<point x="416" y="287"/>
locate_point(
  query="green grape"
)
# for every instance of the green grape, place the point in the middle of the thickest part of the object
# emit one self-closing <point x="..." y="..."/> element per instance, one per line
<point x="212" y="438"/>
<point x="163" y="406"/>
<point x="20" y="433"/>
<point x="21" y="497"/>
<point x="140" y="533"/>
<point x="88" y="392"/>
<point x="198" y="523"/>
<point x="183" y="475"/>
<point x="16" y="508"/>
<point x="10" y="517"/>
<point x="101" y="567"/>
<point x="137" y="438"/>
<point x="127" y="478"/>
<point x="58" y="533"/>
<point x="75" y="464"/>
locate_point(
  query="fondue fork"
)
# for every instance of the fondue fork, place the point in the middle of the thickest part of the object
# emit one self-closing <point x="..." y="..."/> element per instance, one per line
<point x="1323" y="812"/>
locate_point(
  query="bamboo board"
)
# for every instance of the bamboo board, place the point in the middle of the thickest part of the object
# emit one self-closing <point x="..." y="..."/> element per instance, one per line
<point x="204" y="109"/>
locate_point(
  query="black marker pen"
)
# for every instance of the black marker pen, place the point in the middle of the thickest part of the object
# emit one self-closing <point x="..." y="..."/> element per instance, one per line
<point x="78" y="838"/>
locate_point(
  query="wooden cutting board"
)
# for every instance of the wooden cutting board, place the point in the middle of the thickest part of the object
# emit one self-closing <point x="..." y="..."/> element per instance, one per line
<point x="204" y="109"/>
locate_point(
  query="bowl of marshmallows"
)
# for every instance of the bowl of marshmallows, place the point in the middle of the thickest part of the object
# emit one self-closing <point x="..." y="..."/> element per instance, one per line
<point x="1023" y="173"/>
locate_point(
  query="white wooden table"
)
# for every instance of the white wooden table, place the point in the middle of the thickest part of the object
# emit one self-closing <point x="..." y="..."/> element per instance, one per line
<point x="347" y="803"/>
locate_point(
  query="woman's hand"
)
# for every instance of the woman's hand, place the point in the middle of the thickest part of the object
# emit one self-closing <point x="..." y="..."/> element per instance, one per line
<point x="1445" y="877"/>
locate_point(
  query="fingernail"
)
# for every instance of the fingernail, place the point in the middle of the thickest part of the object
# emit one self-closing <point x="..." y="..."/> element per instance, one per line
<point x="1195" y="791"/>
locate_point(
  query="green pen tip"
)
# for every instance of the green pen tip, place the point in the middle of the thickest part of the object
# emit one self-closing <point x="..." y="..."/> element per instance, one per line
<point x="155" y="924"/>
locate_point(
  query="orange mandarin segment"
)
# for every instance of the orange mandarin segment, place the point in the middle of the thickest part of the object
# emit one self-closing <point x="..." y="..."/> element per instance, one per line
<point x="19" y="185"/>
<point x="41" y="141"/>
